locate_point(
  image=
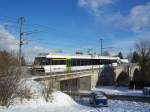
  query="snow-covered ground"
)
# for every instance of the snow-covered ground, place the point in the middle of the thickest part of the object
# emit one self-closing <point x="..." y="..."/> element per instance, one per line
<point x="61" y="103"/>
<point x="120" y="106"/>
<point x="120" y="91"/>
<point x="64" y="103"/>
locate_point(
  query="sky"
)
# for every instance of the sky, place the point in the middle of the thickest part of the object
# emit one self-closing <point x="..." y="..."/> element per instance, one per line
<point x="74" y="25"/>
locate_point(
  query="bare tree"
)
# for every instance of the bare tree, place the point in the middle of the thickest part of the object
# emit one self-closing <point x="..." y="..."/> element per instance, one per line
<point x="143" y="50"/>
<point x="50" y="86"/>
<point x="7" y="62"/>
<point x="9" y="77"/>
<point x="8" y="87"/>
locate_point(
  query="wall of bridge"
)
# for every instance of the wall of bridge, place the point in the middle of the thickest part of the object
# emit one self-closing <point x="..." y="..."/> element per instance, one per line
<point x="76" y="84"/>
<point x="83" y="80"/>
<point x="117" y="75"/>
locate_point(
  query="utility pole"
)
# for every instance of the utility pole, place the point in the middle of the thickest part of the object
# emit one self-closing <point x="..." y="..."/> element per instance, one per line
<point x="21" y="20"/>
<point x="101" y="46"/>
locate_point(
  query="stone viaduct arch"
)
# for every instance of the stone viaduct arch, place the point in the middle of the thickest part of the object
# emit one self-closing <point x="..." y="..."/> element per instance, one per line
<point x="120" y="75"/>
<point x="134" y="68"/>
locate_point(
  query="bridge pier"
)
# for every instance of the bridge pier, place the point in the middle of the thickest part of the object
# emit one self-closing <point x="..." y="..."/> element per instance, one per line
<point x="77" y="84"/>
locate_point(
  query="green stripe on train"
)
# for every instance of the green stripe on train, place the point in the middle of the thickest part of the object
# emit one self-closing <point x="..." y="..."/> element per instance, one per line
<point x="68" y="64"/>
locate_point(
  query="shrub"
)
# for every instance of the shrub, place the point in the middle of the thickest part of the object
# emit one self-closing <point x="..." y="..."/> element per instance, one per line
<point x="49" y="88"/>
<point x="8" y="87"/>
<point x="9" y="77"/>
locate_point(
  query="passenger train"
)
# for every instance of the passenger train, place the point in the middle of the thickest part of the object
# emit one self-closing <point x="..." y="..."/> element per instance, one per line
<point x="51" y="63"/>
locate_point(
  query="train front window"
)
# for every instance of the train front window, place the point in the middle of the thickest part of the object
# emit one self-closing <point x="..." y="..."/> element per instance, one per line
<point x="40" y="61"/>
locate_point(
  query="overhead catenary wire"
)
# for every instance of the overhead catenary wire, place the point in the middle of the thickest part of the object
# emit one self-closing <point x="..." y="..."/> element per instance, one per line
<point x="36" y="29"/>
<point x="9" y="19"/>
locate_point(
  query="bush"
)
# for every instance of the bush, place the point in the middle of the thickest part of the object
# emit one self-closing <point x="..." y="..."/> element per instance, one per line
<point x="8" y="87"/>
<point x="9" y="77"/>
<point x="49" y="88"/>
<point x="24" y="92"/>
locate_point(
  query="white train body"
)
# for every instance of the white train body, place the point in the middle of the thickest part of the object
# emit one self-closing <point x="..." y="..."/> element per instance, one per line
<point x="51" y="63"/>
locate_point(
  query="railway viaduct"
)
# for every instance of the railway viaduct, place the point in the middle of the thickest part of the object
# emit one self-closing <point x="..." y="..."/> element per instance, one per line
<point x="86" y="80"/>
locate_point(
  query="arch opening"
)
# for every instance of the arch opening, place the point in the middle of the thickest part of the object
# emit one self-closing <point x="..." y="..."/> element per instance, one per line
<point x="107" y="76"/>
<point x="123" y="79"/>
<point x="137" y="81"/>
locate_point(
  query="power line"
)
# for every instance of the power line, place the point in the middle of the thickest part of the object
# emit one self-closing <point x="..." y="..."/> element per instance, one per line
<point x="101" y="46"/>
<point x="44" y="28"/>
<point x="10" y="19"/>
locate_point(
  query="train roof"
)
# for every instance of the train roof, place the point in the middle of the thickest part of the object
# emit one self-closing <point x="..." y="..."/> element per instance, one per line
<point x="78" y="56"/>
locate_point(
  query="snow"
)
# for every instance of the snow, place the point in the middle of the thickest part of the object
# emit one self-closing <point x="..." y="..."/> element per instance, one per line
<point x="59" y="97"/>
<point x="36" y="88"/>
<point x="61" y="105"/>
<point x="127" y="106"/>
<point x="124" y="61"/>
<point x="64" y="103"/>
<point x="111" y="90"/>
<point x="61" y="102"/>
<point x="120" y="106"/>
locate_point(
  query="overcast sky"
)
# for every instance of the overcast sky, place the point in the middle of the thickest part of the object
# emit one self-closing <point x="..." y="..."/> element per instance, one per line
<point x="71" y="25"/>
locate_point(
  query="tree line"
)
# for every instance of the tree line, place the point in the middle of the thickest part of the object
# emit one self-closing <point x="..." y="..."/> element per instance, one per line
<point x="141" y="56"/>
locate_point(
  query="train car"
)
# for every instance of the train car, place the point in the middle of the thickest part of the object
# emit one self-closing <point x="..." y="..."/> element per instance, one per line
<point x="51" y="63"/>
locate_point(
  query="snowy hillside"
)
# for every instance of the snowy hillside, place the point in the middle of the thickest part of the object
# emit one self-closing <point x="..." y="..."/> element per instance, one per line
<point x="64" y="103"/>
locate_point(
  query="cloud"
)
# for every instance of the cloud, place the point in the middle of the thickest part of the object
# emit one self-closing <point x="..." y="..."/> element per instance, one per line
<point x="95" y="6"/>
<point x="10" y="43"/>
<point x="139" y="18"/>
<point x="32" y="51"/>
<point x="125" y="44"/>
<point x="7" y="40"/>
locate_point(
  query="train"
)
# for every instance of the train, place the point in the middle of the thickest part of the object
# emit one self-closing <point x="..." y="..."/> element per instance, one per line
<point x="53" y="63"/>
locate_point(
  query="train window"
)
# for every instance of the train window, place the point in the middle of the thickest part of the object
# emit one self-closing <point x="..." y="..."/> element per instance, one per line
<point x="106" y="62"/>
<point x="57" y="61"/>
<point x="102" y="61"/>
<point x="87" y="62"/>
<point x="80" y="62"/>
<point x="74" y="62"/>
<point x="97" y="61"/>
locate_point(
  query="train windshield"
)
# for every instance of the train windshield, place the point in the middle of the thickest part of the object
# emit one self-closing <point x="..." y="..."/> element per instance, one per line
<point x="40" y="61"/>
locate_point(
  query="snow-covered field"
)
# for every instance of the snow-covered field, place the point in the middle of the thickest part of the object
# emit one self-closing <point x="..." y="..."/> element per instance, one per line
<point x="121" y="106"/>
<point x="120" y="91"/>
<point x="64" y="103"/>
